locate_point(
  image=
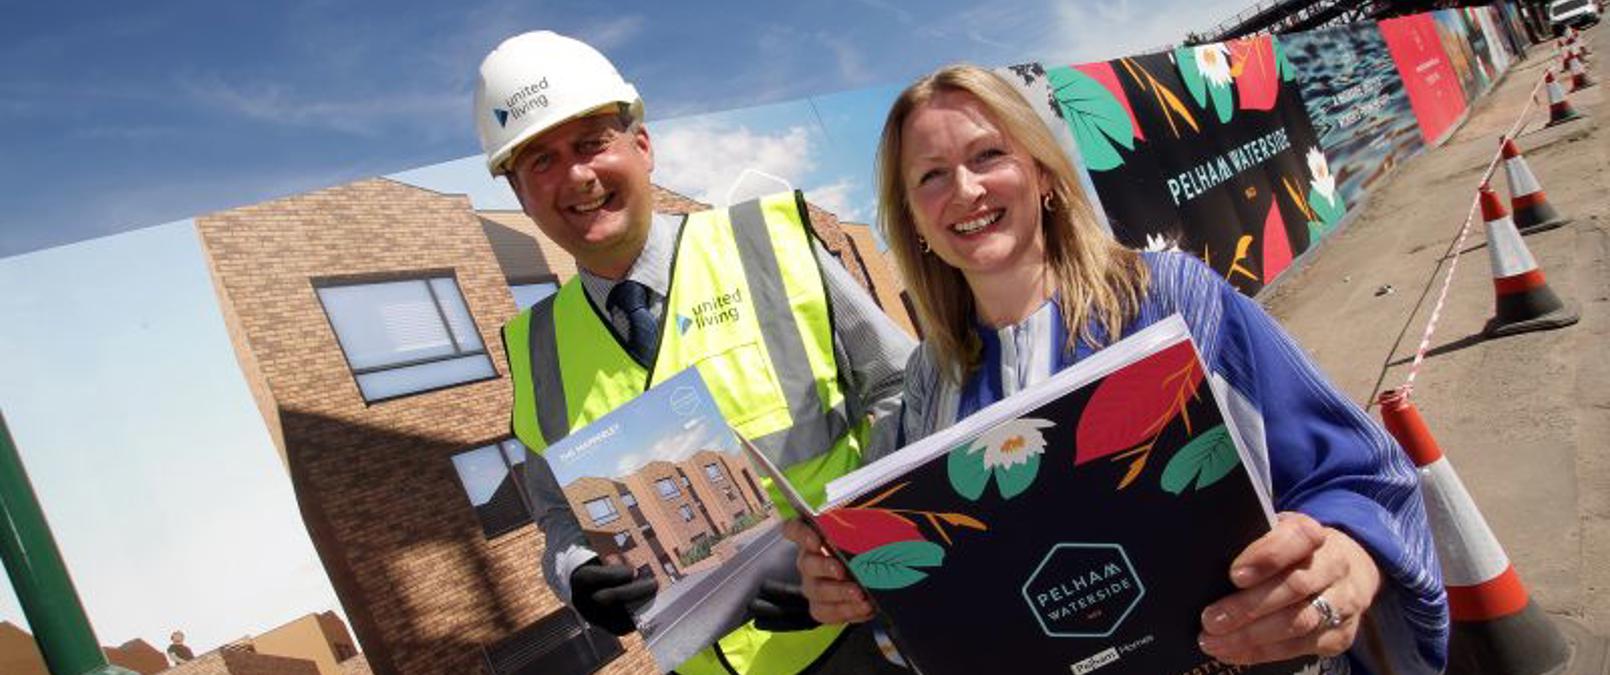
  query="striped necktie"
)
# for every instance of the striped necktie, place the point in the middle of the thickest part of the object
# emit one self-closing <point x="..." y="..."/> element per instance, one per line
<point x="631" y="298"/>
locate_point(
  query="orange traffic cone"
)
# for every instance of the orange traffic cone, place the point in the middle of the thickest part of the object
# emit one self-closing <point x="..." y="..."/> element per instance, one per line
<point x="1526" y="198"/>
<point x="1524" y="301"/>
<point x="1497" y="629"/>
<point x="1580" y="79"/>
<point x="1560" y="110"/>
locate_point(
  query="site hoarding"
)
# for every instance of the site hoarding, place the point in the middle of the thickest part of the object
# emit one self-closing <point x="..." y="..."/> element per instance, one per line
<point x="1435" y="92"/>
<point x="1466" y="59"/>
<point x="1208" y="149"/>
<point x="1357" y="103"/>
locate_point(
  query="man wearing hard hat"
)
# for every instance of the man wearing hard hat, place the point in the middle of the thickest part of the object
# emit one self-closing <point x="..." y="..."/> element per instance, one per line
<point x="801" y="360"/>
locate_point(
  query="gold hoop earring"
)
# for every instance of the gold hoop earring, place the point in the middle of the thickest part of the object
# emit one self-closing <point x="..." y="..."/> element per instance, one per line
<point x="1046" y="200"/>
<point x="924" y="243"/>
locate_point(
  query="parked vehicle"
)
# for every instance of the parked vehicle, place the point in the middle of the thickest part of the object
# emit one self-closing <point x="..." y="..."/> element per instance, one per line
<point x="1578" y="13"/>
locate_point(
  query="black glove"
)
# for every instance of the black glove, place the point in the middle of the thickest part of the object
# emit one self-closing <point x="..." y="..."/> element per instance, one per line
<point x="781" y="607"/>
<point x="606" y="595"/>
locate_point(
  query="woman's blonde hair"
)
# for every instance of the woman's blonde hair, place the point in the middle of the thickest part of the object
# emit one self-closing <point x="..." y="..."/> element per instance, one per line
<point x="1094" y="276"/>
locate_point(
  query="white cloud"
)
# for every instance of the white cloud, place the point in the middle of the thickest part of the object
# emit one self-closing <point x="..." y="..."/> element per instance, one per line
<point x="678" y="447"/>
<point x="630" y="462"/>
<point x="837" y="198"/>
<point x="704" y="160"/>
<point x="851" y="61"/>
<point x="899" y="13"/>
<point x="1090" y="31"/>
<point x="365" y="116"/>
<point x="607" y="36"/>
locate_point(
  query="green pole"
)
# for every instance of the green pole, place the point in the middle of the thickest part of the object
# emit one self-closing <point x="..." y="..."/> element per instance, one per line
<point x="40" y="577"/>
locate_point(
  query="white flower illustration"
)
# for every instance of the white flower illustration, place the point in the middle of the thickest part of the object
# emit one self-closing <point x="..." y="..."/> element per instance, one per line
<point x="1324" y="183"/>
<point x="1213" y="61"/>
<point x="1156" y="243"/>
<point x="1014" y="443"/>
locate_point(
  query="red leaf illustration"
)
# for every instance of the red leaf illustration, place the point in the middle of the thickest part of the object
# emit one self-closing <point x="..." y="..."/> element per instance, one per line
<point x="1132" y="405"/>
<point x="1101" y="71"/>
<point x="1276" y="247"/>
<point x="1257" y="76"/>
<point x="859" y="530"/>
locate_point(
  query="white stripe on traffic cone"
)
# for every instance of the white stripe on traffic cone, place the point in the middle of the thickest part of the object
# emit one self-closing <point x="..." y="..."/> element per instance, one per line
<point x="1579" y="74"/>
<point x="1496" y="628"/>
<point x="1526" y="197"/>
<point x="1524" y="301"/>
<point x="1560" y="110"/>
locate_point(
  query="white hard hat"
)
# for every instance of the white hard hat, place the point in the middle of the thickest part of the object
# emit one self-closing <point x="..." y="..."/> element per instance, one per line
<point x="536" y="81"/>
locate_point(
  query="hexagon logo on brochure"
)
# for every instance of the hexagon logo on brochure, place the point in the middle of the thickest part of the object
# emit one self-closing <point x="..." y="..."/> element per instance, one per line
<point x="1083" y="590"/>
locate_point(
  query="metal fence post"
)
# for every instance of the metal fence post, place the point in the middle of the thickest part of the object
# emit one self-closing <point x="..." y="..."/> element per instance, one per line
<point x="39" y="576"/>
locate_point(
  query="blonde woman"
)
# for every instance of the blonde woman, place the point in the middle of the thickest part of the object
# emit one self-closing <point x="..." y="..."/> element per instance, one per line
<point x="1013" y="280"/>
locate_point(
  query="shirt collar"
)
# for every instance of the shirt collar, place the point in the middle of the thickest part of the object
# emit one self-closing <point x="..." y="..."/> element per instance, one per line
<point x="652" y="267"/>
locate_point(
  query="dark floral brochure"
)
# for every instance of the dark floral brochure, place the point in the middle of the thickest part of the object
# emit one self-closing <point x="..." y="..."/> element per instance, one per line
<point x="1081" y="525"/>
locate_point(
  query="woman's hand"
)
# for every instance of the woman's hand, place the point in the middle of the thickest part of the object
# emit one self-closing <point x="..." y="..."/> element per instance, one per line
<point x="1287" y="578"/>
<point x="834" y="598"/>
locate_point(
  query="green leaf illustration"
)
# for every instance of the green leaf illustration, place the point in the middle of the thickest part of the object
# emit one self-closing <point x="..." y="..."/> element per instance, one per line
<point x="1014" y="480"/>
<point x="1316" y="232"/>
<point x="1185" y="58"/>
<point x="1204" y="460"/>
<point x="1098" y="121"/>
<point x="1288" y="72"/>
<point x="1330" y="211"/>
<point x="894" y="565"/>
<point x="967" y="473"/>
<point x="1222" y="101"/>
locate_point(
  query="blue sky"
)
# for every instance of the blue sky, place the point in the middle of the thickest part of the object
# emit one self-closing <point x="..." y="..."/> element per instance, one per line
<point x="166" y="497"/>
<point x="653" y="428"/>
<point x="116" y="375"/>
<point x="115" y="116"/>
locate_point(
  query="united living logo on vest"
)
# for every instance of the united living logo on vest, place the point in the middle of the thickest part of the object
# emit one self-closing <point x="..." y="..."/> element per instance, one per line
<point x="721" y="309"/>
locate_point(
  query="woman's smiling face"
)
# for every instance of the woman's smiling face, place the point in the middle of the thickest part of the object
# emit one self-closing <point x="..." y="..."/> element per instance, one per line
<point x="974" y="192"/>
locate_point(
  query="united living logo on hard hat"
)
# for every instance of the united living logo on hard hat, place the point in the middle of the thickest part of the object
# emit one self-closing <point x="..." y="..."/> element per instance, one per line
<point x="721" y="309"/>
<point x="522" y="101"/>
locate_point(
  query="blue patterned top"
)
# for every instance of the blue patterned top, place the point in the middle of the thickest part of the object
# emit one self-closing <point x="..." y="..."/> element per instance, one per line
<point x="1330" y="460"/>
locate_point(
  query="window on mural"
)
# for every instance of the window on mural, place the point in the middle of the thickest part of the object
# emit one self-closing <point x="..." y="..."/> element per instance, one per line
<point x="602" y="511"/>
<point x="667" y="488"/>
<point x="622" y="539"/>
<point x="687" y="513"/>
<point x="405" y="337"/>
<point x="713" y="471"/>
<point x="526" y="295"/>
<point x="491" y="478"/>
<point x="628" y="499"/>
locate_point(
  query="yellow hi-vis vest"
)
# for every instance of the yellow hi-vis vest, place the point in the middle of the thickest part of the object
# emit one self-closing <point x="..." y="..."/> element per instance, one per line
<point x="748" y="307"/>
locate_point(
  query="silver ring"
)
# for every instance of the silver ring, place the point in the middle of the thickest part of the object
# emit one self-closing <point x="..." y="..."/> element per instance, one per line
<point x="1329" y="616"/>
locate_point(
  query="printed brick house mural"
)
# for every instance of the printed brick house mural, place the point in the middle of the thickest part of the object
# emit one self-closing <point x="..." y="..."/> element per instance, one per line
<point x="668" y="519"/>
<point x="365" y="318"/>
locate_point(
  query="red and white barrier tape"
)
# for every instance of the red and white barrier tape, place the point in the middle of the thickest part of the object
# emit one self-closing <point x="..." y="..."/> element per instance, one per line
<point x="1459" y="244"/>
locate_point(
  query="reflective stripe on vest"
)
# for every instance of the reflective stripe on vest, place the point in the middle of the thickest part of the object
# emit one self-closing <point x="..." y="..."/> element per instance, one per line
<point x="748" y="307"/>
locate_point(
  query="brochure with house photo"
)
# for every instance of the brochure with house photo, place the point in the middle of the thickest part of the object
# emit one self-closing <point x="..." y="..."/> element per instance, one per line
<point x="659" y="485"/>
<point x="1079" y="526"/>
